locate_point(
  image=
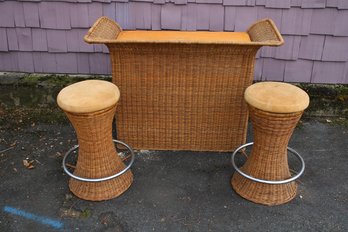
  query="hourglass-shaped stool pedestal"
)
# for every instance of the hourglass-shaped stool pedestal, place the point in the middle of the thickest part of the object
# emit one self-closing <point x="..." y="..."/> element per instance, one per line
<point x="100" y="173"/>
<point x="274" y="108"/>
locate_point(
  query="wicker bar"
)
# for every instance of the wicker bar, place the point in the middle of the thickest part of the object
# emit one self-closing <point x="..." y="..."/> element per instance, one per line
<point x="183" y="90"/>
<point x="91" y="114"/>
<point x="274" y="121"/>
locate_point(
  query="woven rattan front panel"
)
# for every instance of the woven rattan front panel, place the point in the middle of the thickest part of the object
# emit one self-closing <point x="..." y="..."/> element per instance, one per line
<point x="182" y="96"/>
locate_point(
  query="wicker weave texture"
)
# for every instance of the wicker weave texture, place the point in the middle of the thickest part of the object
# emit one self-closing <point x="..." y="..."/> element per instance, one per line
<point x="265" y="32"/>
<point x="268" y="159"/>
<point x="97" y="157"/>
<point x="184" y="95"/>
<point x="102" y="31"/>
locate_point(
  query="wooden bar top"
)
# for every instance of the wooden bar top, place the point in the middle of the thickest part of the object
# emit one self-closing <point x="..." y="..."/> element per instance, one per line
<point x="182" y="37"/>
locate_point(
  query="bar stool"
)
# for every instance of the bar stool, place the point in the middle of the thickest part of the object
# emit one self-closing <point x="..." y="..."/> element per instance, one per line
<point x="275" y="108"/>
<point x="100" y="173"/>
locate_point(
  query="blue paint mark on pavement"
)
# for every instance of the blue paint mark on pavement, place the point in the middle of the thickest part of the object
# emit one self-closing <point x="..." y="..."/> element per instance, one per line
<point x="40" y="219"/>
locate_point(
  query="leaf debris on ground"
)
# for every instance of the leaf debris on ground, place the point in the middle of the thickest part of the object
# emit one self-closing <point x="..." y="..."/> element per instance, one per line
<point x="28" y="163"/>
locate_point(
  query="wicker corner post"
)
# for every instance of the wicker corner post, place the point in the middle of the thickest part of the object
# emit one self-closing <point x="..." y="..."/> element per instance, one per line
<point x="183" y="90"/>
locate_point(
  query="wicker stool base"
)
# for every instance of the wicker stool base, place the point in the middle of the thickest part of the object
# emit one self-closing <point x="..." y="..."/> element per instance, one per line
<point x="99" y="191"/>
<point x="266" y="194"/>
<point x="268" y="159"/>
<point x="249" y="187"/>
<point x="97" y="157"/>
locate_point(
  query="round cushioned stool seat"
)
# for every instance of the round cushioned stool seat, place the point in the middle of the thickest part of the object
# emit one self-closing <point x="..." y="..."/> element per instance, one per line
<point x="88" y="96"/>
<point x="276" y="97"/>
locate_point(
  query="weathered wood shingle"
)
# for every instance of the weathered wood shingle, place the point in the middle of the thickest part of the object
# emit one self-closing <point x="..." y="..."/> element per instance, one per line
<point x="298" y="71"/>
<point x="323" y="72"/>
<point x="25" y="62"/>
<point x="323" y="21"/>
<point x="142" y="12"/>
<point x="3" y="40"/>
<point x="39" y="40"/>
<point x="83" y="63"/>
<point x="12" y="39"/>
<point x="258" y="70"/>
<point x="109" y="10"/>
<point x="99" y="63"/>
<point x="8" y="61"/>
<point x="340" y="26"/>
<point x="31" y="14"/>
<point x="18" y="12"/>
<point x="296" y="21"/>
<point x="342" y="4"/>
<point x="313" y="4"/>
<point x="83" y="47"/>
<point x="122" y="14"/>
<point x="278" y="4"/>
<point x="171" y="17"/>
<point x="335" y="49"/>
<point x="273" y="70"/>
<point x="245" y="16"/>
<point x="296" y="3"/>
<point x="67" y="62"/>
<point x="216" y="18"/>
<point x="311" y="47"/>
<point x="203" y="17"/>
<point x="79" y="16"/>
<point x="56" y="40"/>
<point x="156" y="17"/>
<point x="290" y="49"/>
<point x="49" y="64"/>
<point x="25" y="40"/>
<point x="331" y="3"/>
<point x="73" y="40"/>
<point x="54" y="15"/>
<point x="230" y="18"/>
<point x="274" y="14"/>
<point x="7" y="14"/>
<point x="235" y="2"/>
<point x="95" y="11"/>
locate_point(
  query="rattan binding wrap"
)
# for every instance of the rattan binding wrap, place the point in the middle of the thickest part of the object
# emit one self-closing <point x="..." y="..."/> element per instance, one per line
<point x="268" y="159"/>
<point x="97" y="157"/>
<point x="182" y="95"/>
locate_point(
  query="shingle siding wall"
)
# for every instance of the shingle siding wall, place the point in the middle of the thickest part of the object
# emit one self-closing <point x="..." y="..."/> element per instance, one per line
<point x="47" y="36"/>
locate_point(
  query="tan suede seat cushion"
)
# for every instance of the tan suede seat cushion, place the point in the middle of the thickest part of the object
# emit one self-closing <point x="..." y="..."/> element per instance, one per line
<point x="88" y="96"/>
<point x="276" y="97"/>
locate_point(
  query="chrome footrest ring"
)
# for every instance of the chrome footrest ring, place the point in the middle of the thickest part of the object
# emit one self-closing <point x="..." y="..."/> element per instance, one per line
<point x="268" y="181"/>
<point x="99" y="179"/>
